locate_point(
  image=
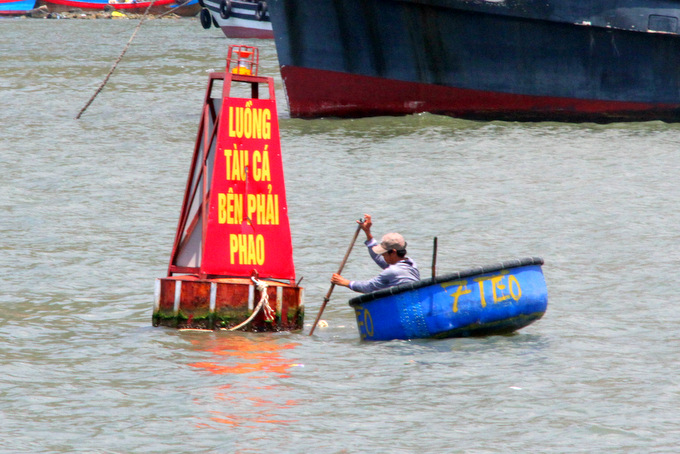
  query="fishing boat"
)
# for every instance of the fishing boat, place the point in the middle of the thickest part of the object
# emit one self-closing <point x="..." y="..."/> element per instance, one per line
<point x="231" y="266"/>
<point x="15" y="7"/>
<point x="238" y="18"/>
<point x="483" y="301"/>
<point x="185" y="8"/>
<point x="520" y="60"/>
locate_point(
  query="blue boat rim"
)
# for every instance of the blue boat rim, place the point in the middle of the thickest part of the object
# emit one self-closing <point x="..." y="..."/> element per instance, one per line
<point x="367" y="297"/>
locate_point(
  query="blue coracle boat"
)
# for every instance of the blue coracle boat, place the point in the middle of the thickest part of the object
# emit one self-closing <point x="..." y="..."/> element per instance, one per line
<point x="494" y="299"/>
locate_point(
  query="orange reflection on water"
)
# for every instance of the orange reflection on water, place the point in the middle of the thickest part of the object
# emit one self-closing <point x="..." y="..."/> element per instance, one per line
<point x="247" y="404"/>
<point x="262" y="356"/>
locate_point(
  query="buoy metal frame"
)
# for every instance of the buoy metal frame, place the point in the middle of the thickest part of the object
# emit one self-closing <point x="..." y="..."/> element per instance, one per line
<point x="188" y="298"/>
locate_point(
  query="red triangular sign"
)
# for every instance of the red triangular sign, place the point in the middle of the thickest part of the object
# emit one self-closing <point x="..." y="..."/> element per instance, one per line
<point x="247" y="227"/>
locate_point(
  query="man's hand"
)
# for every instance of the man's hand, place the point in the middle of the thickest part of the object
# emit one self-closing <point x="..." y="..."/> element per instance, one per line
<point x="365" y="225"/>
<point x="339" y="280"/>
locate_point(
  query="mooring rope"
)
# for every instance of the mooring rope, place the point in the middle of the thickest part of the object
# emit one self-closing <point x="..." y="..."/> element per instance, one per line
<point x="264" y="303"/>
<point x="113" y="68"/>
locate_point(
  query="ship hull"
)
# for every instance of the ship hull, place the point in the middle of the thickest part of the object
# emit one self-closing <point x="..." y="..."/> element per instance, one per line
<point x="481" y="60"/>
<point x="142" y="7"/>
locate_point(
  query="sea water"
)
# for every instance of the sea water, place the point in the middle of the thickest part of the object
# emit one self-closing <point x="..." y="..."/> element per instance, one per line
<point x="88" y="211"/>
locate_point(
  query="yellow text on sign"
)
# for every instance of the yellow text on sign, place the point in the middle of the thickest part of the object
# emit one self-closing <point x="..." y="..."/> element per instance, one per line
<point x="237" y="164"/>
<point x="503" y="286"/>
<point x="246" y="122"/>
<point x="229" y="207"/>
<point x="261" y="170"/>
<point x="263" y="209"/>
<point x="246" y="249"/>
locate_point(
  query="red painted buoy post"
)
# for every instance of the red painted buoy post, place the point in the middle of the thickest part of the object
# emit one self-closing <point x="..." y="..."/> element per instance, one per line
<point x="231" y="265"/>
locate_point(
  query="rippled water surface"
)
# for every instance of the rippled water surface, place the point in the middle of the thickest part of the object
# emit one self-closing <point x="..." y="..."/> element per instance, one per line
<point x="88" y="210"/>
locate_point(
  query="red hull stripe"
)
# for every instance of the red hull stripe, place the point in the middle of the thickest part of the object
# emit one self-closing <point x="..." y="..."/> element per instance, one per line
<point x="246" y="33"/>
<point x="102" y="5"/>
<point x="316" y="93"/>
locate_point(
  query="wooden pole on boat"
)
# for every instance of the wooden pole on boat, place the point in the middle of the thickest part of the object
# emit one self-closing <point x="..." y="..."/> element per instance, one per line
<point x="330" y="290"/>
<point x="434" y="258"/>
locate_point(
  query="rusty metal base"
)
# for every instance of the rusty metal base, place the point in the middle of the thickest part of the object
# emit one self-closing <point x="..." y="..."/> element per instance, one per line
<point x="190" y="302"/>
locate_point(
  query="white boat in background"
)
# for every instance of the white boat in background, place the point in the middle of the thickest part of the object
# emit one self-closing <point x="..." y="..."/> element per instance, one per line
<point x="238" y="18"/>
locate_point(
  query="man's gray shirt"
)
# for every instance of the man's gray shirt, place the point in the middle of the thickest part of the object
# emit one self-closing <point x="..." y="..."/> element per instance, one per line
<point x="399" y="273"/>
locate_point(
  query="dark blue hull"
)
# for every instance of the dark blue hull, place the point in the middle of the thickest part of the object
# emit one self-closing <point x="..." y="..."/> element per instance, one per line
<point x="517" y="60"/>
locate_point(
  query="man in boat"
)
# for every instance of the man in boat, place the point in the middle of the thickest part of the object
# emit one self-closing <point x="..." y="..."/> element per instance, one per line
<point x="390" y="255"/>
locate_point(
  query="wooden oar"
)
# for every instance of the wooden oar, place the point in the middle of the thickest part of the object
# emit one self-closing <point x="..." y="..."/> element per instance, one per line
<point x="330" y="290"/>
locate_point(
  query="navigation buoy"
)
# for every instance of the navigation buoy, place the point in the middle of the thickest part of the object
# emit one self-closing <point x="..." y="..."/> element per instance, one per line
<point x="231" y="265"/>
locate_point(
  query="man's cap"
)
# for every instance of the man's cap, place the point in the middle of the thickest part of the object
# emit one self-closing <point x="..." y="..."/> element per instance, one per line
<point x="390" y="241"/>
